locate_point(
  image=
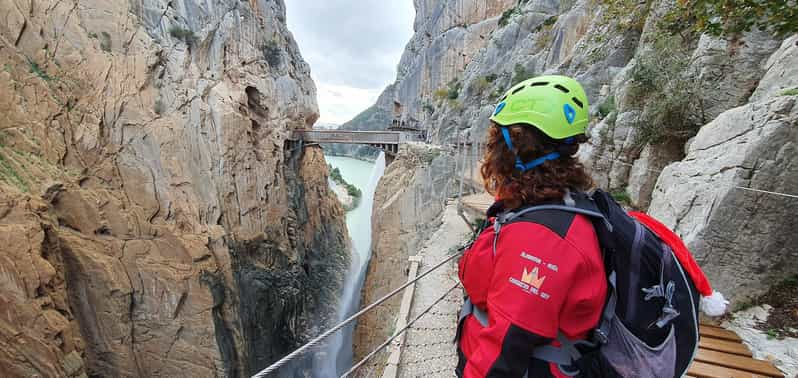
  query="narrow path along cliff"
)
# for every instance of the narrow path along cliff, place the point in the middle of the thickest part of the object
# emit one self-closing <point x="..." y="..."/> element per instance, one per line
<point x="158" y="218"/>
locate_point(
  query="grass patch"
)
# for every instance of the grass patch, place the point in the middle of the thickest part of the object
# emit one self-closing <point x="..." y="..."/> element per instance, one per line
<point x="38" y="71"/>
<point x="622" y="197"/>
<point x="790" y="92"/>
<point x="440" y="94"/>
<point x="10" y="175"/>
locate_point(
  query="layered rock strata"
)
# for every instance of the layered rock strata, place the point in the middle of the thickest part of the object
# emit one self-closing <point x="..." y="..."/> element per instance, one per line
<point x="154" y="220"/>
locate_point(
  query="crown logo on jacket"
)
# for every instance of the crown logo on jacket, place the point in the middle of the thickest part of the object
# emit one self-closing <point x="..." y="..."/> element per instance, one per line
<point x="533" y="278"/>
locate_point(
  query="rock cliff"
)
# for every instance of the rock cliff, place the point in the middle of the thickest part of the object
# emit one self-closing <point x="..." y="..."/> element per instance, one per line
<point x="407" y="205"/>
<point x="154" y="220"/>
<point x="653" y="86"/>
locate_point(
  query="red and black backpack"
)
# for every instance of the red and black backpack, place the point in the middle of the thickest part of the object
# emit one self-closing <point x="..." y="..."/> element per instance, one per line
<point x="649" y="326"/>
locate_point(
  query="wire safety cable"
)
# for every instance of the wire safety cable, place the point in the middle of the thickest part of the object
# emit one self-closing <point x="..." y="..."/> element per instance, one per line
<point x="619" y="161"/>
<point x="277" y="365"/>
<point x="399" y="333"/>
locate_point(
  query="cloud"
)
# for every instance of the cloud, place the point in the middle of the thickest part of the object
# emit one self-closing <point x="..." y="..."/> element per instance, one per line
<point x="338" y="103"/>
<point x="354" y="44"/>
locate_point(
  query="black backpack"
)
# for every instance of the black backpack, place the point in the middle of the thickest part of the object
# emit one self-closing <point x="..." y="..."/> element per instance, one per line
<point x="649" y="327"/>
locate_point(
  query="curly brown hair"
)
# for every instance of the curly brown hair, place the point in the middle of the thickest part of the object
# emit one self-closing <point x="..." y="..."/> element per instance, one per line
<point x="545" y="183"/>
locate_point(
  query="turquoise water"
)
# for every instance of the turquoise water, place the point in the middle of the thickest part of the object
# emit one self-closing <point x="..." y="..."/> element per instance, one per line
<point x="358" y="221"/>
<point x="336" y="357"/>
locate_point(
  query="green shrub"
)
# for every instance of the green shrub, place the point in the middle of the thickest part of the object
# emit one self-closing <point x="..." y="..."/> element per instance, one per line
<point x="428" y="108"/>
<point x="454" y="89"/>
<point x="440" y="94"/>
<point x="185" y="35"/>
<point x="607" y="107"/>
<point x="353" y="190"/>
<point x="668" y="98"/>
<point x="507" y="15"/>
<point x="520" y="74"/>
<point x="733" y="17"/>
<point x="491" y="77"/>
<point x="105" y="41"/>
<point x="622" y="197"/>
<point x="335" y="174"/>
<point x="479" y="85"/>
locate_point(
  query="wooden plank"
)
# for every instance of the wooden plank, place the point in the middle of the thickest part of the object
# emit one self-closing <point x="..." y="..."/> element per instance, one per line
<point x="725" y="346"/>
<point x="719" y="333"/>
<point x="734" y="361"/>
<point x="703" y="370"/>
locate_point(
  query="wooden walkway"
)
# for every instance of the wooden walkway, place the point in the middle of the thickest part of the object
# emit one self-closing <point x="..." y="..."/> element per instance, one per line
<point x="721" y="353"/>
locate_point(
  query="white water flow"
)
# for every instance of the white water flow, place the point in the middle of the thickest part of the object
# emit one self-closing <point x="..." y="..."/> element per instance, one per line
<point x="337" y="355"/>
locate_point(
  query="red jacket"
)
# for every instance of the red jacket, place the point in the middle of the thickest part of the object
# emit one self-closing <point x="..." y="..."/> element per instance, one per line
<point x="547" y="275"/>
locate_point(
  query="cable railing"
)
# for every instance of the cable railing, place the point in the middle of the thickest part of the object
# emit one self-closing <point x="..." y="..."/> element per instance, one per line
<point x="318" y="339"/>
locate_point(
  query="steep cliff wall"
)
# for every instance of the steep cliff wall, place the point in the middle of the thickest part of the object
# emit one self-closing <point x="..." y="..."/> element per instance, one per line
<point x="652" y="84"/>
<point x="407" y="206"/>
<point x="155" y="222"/>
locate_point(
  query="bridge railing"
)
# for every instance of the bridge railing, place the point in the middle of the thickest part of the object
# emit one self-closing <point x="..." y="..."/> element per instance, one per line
<point x="353" y="137"/>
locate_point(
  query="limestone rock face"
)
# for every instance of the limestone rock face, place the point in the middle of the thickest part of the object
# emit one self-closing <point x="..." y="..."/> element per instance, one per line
<point x="407" y="207"/>
<point x="743" y="240"/>
<point x="457" y="67"/>
<point x="782" y="73"/>
<point x="156" y="222"/>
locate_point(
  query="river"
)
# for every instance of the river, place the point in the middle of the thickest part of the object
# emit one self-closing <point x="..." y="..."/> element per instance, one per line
<point x="337" y="356"/>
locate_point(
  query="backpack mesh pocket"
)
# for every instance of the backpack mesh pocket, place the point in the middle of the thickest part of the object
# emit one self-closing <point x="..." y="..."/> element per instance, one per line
<point x="631" y="357"/>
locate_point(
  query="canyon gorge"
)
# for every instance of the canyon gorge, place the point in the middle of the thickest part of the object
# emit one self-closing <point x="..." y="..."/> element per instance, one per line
<point x="158" y="220"/>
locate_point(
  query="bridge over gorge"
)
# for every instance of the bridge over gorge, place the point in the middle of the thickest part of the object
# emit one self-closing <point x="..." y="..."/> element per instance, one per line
<point x="388" y="141"/>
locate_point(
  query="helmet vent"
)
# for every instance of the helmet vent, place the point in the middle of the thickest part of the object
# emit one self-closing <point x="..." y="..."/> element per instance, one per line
<point x="560" y="87"/>
<point x="538" y="84"/>
<point x="503" y="98"/>
<point x="577" y="102"/>
<point x="518" y="90"/>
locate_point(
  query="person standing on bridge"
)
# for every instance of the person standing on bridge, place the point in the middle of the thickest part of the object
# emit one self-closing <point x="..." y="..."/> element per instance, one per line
<point x="545" y="277"/>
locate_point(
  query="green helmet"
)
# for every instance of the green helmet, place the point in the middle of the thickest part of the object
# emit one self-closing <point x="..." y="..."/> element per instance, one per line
<point x="555" y="105"/>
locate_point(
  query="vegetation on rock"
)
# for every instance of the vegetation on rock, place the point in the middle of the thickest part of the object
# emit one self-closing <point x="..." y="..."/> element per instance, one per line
<point x="733" y="17"/>
<point x="667" y="96"/>
<point x="185" y="35"/>
<point x="353" y="191"/>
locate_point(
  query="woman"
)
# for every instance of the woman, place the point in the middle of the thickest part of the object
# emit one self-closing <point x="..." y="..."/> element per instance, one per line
<point x="545" y="276"/>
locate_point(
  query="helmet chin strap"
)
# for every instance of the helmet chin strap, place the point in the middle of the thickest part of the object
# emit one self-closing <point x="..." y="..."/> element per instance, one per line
<point x="521" y="166"/>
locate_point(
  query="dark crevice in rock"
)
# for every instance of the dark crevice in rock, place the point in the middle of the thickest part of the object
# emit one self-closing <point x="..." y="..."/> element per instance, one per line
<point x="224" y="335"/>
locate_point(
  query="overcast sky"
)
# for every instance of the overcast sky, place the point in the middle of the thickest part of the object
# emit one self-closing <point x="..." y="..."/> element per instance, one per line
<point x="352" y="46"/>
